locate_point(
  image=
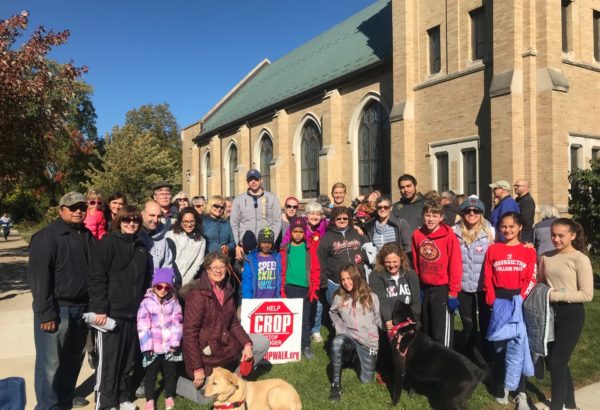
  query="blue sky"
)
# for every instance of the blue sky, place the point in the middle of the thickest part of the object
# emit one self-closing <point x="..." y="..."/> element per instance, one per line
<point x="188" y="54"/>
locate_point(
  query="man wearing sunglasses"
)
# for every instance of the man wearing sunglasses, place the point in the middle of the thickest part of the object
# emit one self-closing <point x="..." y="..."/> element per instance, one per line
<point x="57" y="275"/>
<point x="252" y="211"/>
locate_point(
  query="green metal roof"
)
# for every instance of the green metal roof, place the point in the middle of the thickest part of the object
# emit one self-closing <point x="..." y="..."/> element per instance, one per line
<point x="358" y="42"/>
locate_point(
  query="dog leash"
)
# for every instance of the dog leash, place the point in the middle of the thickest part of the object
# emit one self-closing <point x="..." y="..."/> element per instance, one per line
<point x="232" y="273"/>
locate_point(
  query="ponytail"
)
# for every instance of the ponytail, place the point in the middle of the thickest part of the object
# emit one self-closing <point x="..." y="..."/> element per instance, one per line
<point x="575" y="227"/>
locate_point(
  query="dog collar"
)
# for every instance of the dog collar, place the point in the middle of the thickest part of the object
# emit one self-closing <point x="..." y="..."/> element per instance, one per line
<point x="394" y="330"/>
<point x="234" y="405"/>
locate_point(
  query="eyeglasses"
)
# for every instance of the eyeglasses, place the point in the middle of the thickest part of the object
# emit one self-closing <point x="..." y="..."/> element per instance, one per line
<point x="291" y="206"/>
<point x="166" y="288"/>
<point x="94" y="202"/>
<point x="77" y="207"/>
<point x="188" y="222"/>
<point x="182" y="199"/>
<point x="163" y="193"/>
<point x="221" y="207"/>
<point x="341" y="218"/>
<point x="127" y="220"/>
<point x="217" y="268"/>
<point x="383" y="207"/>
<point x="472" y="211"/>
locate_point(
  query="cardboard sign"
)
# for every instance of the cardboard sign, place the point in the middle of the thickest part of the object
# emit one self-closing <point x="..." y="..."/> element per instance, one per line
<point x="280" y="321"/>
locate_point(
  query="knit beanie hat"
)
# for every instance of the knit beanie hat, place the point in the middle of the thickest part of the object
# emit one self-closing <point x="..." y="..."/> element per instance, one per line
<point x="266" y="235"/>
<point x="163" y="275"/>
<point x="297" y="222"/>
<point x="472" y="202"/>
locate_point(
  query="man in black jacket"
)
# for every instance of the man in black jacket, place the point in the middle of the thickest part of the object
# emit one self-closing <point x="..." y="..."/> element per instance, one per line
<point x="57" y="275"/>
<point x="410" y="205"/>
<point x="527" y="207"/>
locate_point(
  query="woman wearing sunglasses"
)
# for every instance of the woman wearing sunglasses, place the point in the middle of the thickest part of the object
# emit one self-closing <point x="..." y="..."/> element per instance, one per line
<point x="94" y="218"/>
<point x="290" y="210"/>
<point x="217" y="229"/>
<point x="120" y="273"/>
<point x="384" y="227"/>
<point x="340" y="246"/>
<point x="187" y="244"/>
<point x="475" y="235"/>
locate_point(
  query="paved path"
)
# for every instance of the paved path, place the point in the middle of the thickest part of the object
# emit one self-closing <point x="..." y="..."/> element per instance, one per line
<point x="17" y="351"/>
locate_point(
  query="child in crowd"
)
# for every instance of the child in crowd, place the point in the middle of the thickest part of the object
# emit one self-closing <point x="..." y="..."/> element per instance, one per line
<point x="355" y="316"/>
<point x="261" y="276"/>
<point x="300" y="275"/>
<point x="160" y="329"/>
<point x="438" y="263"/>
<point x="94" y="217"/>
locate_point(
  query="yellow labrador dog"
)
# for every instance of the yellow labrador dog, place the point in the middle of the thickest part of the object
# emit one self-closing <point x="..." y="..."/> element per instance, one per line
<point x="232" y="392"/>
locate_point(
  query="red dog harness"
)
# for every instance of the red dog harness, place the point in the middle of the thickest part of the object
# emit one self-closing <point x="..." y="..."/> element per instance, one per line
<point x="395" y="332"/>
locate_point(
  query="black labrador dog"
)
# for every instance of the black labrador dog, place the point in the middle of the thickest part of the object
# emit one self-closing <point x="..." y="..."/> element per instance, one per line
<point x="419" y="362"/>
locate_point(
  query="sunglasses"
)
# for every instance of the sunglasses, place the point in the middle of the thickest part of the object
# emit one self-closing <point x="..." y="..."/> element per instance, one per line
<point x="182" y="199"/>
<point x="252" y="179"/>
<point x="77" y="207"/>
<point x="94" y="202"/>
<point x="341" y="218"/>
<point x="291" y="206"/>
<point x="472" y="211"/>
<point x="221" y="207"/>
<point x="383" y="207"/>
<point x="166" y="288"/>
<point x="128" y="220"/>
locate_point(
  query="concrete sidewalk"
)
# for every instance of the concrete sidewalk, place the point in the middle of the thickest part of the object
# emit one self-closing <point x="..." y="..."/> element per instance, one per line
<point x="17" y="350"/>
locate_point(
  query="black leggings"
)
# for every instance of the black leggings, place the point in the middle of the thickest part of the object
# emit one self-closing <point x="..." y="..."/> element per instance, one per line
<point x="169" y="370"/>
<point x="568" y="324"/>
<point x="473" y="312"/>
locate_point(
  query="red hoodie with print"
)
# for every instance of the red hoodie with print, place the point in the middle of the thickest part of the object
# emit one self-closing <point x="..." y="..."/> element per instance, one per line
<point x="437" y="258"/>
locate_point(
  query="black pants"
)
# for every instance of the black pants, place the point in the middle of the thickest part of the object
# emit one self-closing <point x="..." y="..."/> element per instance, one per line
<point x="299" y="292"/>
<point x="118" y="351"/>
<point x="473" y="312"/>
<point x="568" y="324"/>
<point x="169" y="370"/>
<point x="435" y="318"/>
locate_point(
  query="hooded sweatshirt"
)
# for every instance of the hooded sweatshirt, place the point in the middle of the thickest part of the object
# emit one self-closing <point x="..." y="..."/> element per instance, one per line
<point x="250" y="213"/>
<point x="355" y="321"/>
<point x="157" y="246"/>
<point x="189" y="255"/>
<point x="338" y="249"/>
<point x="437" y="258"/>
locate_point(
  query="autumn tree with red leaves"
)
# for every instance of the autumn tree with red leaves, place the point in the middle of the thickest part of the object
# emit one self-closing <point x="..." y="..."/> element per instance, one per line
<point x="47" y="121"/>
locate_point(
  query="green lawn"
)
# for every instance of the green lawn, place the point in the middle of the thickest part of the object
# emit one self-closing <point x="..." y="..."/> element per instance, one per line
<point x="310" y="378"/>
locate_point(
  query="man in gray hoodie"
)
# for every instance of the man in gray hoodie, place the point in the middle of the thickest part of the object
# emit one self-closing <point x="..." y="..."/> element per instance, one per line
<point x="252" y="211"/>
<point x="153" y="235"/>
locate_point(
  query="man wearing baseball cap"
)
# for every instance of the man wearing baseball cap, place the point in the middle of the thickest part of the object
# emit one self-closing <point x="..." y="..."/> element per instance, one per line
<point x="504" y="203"/>
<point x="252" y="211"/>
<point x="57" y="274"/>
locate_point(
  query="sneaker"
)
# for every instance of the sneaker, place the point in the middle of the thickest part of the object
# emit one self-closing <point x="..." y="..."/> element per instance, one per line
<point x="379" y="379"/>
<point x="169" y="403"/>
<point x="308" y="353"/>
<point x="140" y="392"/>
<point x="316" y="337"/>
<point x="521" y="401"/>
<point x="127" y="405"/>
<point x="335" y="394"/>
<point x="79" y="401"/>
<point x="503" y="399"/>
<point x="149" y="405"/>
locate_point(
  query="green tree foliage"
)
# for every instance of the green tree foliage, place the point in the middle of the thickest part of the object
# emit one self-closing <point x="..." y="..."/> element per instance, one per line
<point x="145" y="150"/>
<point x="584" y="202"/>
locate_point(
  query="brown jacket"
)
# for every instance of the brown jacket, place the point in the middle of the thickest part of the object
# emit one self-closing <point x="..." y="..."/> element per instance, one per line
<point x="208" y="324"/>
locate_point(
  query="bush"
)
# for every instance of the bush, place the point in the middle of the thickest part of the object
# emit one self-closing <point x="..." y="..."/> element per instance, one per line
<point x="584" y="202"/>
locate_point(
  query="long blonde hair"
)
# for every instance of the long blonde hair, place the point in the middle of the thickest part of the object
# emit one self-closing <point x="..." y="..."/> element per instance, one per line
<point x="470" y="235"/>
<point x="360" y="293"/>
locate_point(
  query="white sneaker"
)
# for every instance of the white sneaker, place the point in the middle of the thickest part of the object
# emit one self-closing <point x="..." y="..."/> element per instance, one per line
<point x="503" y="399"/>
<point x="521" y="401"/>
<point x="317" y="338"/>
<point x="127" y="405"/>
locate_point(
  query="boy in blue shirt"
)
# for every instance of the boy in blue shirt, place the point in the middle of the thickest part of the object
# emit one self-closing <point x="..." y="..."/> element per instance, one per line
<point x="261" y="277"/>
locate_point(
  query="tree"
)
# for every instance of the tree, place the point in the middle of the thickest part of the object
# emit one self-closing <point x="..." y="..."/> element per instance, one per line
<point x="38" y="98"/>
<point x="584" y="201"/>
<point x="145" y="150"/>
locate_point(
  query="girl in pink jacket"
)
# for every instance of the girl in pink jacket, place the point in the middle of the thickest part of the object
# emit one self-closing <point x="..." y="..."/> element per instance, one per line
<point x="160" y="329"/>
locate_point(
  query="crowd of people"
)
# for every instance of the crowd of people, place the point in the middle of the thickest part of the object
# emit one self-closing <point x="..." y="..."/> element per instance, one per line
<point x="159" y="288"/>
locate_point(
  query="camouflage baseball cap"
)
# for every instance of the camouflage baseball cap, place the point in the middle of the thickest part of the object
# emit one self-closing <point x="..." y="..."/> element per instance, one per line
<point x="71" y="198"/>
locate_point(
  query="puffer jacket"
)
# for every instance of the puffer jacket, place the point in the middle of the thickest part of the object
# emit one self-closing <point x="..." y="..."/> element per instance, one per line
<point x="212" y="333"/>
<point x="217" y="233"/>
<point x="507" y="328"/>
<point x="473" y="258"/>
<point x="354" y="321"/>
<point x="96" y="223"/>
<point x="160" y="325"/>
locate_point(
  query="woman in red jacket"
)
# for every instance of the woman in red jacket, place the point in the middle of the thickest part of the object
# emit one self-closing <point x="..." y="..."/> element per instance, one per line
<point x="212" y="334"/>
<point x="509" y="270"/>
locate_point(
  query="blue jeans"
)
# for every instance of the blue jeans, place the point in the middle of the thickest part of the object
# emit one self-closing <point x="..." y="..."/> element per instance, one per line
<point x="332" y="287"/>
<point x="319" y="312"/>
<point x="58" y="358"/>
<point x="341" y="350"/>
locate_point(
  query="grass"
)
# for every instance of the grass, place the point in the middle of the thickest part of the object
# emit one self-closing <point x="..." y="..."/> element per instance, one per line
<point x="312" y="383"/>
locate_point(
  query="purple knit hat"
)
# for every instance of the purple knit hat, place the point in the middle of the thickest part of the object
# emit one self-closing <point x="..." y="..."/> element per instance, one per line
<point x="297" y="222"/>
<point x="163" y="275"/>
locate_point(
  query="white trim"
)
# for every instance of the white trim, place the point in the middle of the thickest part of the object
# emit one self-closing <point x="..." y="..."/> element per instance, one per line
<point x="586" y="144"/>
<point x="454" y="148"/>
<point x="297" y="150"/>
<point x="353" y="128"/>
<point x="205" y="172"/>
<point x="227" y="171"/>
